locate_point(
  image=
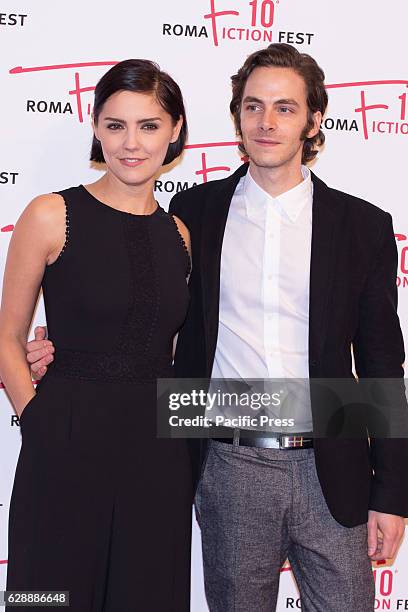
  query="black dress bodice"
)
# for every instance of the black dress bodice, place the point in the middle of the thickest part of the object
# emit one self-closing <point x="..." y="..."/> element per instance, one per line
<point x="117" y="294"/>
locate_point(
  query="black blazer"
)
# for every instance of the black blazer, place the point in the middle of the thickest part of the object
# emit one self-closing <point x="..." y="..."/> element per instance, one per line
<point x="353" y="299"/>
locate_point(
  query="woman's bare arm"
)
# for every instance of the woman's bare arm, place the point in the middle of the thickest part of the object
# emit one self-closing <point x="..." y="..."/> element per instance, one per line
<point x="37" y="239"/>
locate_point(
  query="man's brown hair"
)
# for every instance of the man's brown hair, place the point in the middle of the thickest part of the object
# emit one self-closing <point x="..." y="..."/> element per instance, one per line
<point x="282" y="55"/>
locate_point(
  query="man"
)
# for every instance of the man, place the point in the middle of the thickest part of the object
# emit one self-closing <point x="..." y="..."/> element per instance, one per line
<point x="284" y="285"/>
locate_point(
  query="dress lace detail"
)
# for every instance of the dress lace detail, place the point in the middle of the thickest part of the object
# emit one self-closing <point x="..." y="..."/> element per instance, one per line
<point x="183" y="244"/>
<point x="141" y="319"/>
<point x="109" y="367"/>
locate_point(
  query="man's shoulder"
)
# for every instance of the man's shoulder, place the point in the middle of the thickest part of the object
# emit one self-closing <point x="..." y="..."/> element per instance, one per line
<point x="199" y="194"/>
<point x="361" y="206"/>
<point x="188" y="203"/>
<point x="197" y="191"/>
<point x="356" y="206"/>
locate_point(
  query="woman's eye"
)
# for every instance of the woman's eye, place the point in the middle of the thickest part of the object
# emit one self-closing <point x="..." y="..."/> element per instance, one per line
<point x="150" y="126"/>
<point x="114" y="126"/>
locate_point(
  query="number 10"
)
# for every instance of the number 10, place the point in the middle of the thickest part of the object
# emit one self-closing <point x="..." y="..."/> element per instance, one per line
<point x="267" y="12"/>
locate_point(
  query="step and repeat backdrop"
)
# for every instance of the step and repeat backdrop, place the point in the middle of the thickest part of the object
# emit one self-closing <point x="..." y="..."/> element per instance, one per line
<point x="52" y="55"/>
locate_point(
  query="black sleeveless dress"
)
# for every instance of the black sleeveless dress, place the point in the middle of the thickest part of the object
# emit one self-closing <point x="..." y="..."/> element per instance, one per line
<point x="100" y="506"/>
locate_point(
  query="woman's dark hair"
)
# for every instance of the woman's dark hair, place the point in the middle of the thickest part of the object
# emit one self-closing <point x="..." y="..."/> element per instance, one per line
<point x="141" y="76"/>
<point x="282" y="55"/>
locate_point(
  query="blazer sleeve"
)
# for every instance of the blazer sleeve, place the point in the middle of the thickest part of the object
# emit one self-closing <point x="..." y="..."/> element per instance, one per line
<point x="176" y="207"/>
<point x="379" y="353"/>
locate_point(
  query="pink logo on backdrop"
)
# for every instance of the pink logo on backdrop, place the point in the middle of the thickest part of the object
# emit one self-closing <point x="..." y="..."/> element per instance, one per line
<point x="209" y="163"/>
<point x="257" y="17"/>
<point x="402" y="277"/>
<point x="234" y="21"/>
<point x="79" y="90"/>
<point x="384" y="580"/>
<point x="380" y="107"/>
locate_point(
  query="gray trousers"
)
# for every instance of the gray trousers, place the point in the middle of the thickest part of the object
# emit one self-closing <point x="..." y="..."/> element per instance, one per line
<point x="257" y="507"/>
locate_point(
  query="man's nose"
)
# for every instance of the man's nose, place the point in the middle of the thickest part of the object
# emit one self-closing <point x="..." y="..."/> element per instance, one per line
<point x="268" y="122"/>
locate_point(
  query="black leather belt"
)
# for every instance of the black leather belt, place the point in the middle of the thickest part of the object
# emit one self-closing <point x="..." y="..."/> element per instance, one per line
<point x="279" y="441"/>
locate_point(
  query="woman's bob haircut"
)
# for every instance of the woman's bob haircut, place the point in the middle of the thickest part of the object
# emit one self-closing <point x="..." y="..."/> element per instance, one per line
<point x="141" y="76"/>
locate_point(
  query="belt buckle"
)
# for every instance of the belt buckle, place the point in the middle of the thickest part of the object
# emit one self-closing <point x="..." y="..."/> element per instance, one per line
<point x="290" y="442"/>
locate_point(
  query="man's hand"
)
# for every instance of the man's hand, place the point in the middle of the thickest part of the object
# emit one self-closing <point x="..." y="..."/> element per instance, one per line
<point x="39" y="353"/>
<point x="385" y="532"/>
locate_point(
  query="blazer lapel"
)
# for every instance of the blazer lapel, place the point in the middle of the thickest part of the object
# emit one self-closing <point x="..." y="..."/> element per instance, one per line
<point x="215" y="218"/>
<point x="326" y="234"/>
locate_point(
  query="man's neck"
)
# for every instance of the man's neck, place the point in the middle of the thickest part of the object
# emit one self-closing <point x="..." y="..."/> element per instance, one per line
<point x="276" y="181"/>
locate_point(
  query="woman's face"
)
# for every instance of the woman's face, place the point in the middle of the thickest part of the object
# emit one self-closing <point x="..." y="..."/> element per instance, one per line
<point x="135" y="132"/>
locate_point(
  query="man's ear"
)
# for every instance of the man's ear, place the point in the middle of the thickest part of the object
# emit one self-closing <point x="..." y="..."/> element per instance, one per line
<point x="317" y="122"/>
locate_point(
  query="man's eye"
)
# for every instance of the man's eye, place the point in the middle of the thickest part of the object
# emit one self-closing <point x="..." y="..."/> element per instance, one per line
<point x="114" y="126"/>
<point x="252" y="107"/>
<point x="285" y="109"/>
<point x="150" y="126"/>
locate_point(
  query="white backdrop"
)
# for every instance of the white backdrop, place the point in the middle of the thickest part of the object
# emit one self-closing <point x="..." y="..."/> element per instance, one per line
<point x="53" y="53"/>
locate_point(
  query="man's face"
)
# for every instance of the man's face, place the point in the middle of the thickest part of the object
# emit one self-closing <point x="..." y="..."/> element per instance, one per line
<point x="274" y="117"/>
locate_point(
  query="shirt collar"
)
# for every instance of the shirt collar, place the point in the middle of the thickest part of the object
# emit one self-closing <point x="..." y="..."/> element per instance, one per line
<point x="291" y="202"/>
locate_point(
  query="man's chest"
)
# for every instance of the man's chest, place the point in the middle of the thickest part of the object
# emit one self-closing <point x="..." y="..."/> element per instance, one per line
<point x="265" y="262"/>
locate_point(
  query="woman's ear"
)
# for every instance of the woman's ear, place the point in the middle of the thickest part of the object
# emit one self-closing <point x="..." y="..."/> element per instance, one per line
<point x="177" y="129"/>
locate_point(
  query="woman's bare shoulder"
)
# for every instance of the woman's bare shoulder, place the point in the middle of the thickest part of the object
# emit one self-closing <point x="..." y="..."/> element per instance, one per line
<point x="42" y="224"/>
<point x="46" y="208"/>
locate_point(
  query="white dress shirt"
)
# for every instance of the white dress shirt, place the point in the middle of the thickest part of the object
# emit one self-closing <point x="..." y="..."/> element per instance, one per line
<point x="264" y="288"/>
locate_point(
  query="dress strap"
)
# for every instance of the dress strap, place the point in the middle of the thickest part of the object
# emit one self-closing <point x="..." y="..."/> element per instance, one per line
<point x="67" y="217"/>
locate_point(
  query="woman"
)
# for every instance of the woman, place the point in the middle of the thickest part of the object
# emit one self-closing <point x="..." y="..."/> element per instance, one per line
<point x="101" y="507"/>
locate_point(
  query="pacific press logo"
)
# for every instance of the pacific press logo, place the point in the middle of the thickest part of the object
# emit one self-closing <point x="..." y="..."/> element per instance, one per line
<point x="224" y="23"/>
